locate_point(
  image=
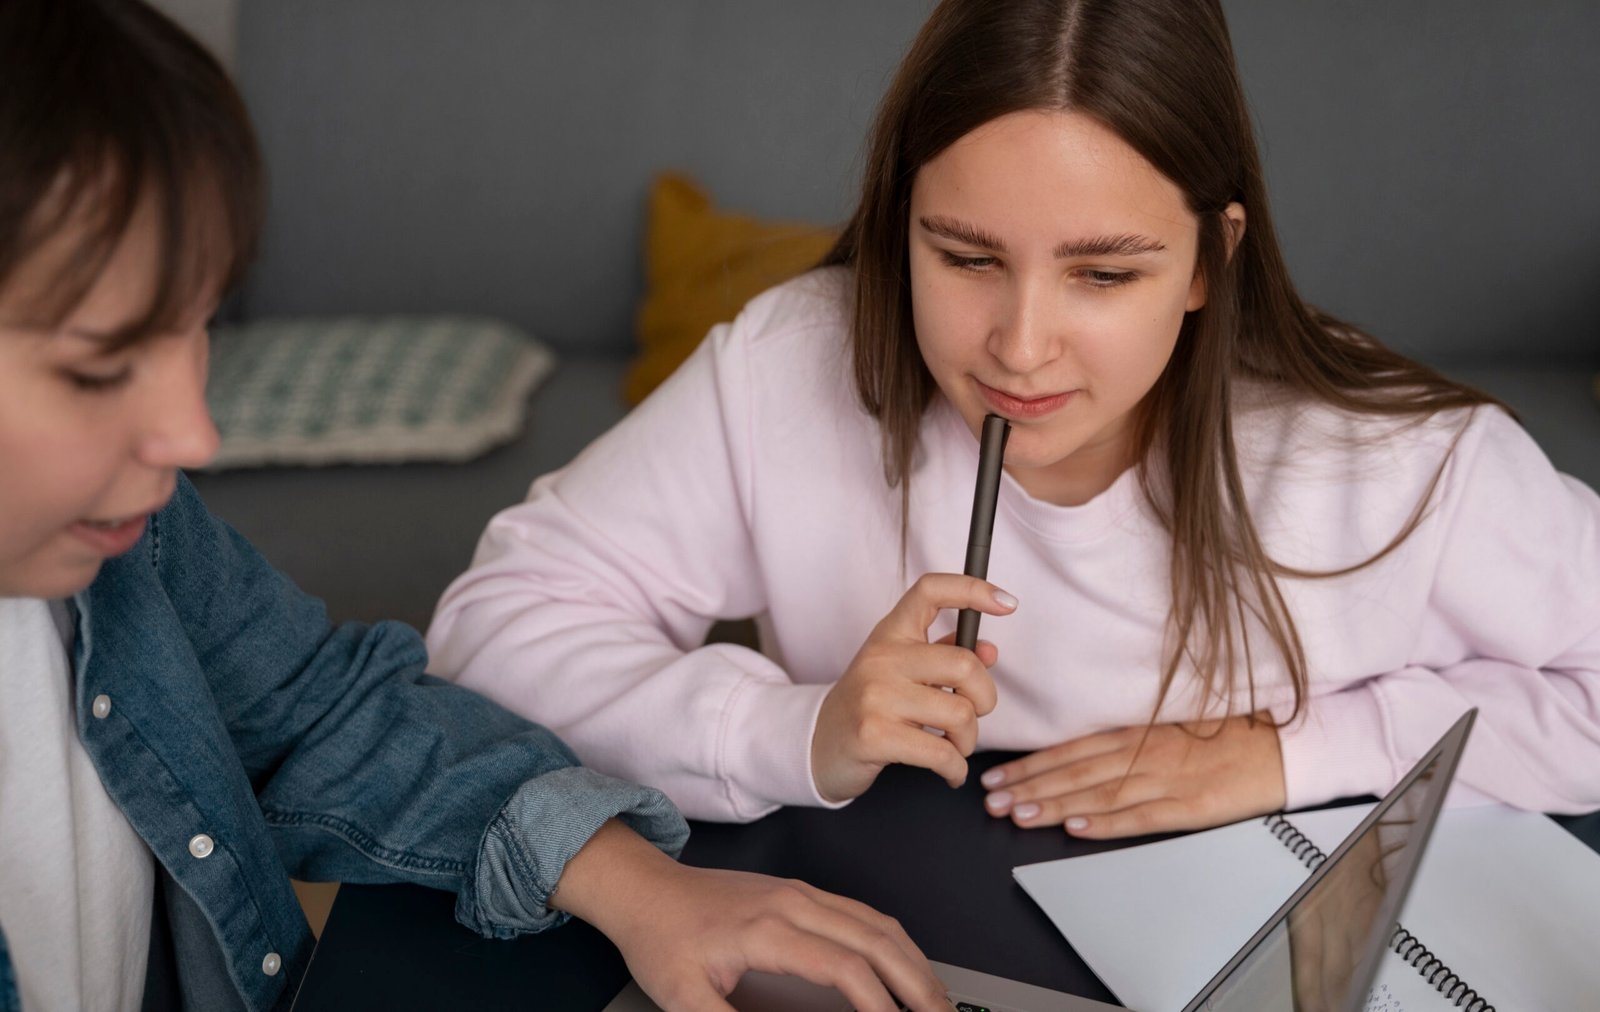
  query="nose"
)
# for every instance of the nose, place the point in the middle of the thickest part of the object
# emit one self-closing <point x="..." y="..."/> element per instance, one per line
<point x="179" y="432"/>
<point x="1027" y="333"/>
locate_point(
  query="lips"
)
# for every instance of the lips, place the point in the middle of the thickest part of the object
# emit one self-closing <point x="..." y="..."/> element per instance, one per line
<point x="1017" y="407"/>
<point x="110" y="537"/>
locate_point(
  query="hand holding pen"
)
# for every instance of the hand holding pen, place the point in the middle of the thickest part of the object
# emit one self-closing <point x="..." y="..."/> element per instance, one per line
<point x="894" y="692"/>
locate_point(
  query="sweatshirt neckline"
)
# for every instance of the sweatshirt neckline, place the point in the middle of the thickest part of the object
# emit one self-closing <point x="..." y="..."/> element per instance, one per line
<point x="1088" y="521"/>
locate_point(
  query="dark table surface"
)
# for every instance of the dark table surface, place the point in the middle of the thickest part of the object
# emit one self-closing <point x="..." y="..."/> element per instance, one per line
<point x="911" y="847"/>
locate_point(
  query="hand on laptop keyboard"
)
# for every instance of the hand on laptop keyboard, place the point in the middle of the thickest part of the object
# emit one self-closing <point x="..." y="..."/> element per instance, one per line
<point x="689" y="934"/>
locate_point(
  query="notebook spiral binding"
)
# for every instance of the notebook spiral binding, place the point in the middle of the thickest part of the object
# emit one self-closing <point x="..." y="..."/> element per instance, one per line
<point x="1438" y="976"/>
<point x="1405" y="945"/>
<point x="1300" y="845"/>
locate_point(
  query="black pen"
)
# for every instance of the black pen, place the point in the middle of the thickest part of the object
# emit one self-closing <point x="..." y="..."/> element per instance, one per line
<point x="991" y="453"/>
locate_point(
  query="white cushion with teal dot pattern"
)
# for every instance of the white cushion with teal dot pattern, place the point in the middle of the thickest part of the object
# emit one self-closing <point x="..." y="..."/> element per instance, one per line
<point x="346" y="390"/>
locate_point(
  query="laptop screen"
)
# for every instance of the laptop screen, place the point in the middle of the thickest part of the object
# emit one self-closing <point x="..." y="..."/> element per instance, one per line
<point x="1321" y="950"/>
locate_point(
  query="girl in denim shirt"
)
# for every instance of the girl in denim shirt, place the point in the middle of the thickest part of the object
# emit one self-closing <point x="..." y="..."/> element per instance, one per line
<point x="180" y="728"/>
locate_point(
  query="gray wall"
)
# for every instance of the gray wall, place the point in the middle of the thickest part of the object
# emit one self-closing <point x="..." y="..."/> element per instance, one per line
<point x="1430" y="160"/>
<point x="213" y="22"/>
<point x="495" y="156"/>
<point x="1432" y="165"/>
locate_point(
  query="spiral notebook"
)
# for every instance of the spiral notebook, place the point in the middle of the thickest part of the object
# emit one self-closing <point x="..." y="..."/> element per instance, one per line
<point x="1503" y="915"/>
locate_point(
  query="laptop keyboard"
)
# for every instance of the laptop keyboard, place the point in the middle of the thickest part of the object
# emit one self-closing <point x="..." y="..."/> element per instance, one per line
<point x="960" y="1005"/>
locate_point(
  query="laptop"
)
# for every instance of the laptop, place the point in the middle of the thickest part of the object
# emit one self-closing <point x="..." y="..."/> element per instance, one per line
<point x="1320" y="950"/>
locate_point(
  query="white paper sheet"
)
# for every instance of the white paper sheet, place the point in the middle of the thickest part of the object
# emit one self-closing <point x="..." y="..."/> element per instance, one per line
<point x="1507" y="899"/>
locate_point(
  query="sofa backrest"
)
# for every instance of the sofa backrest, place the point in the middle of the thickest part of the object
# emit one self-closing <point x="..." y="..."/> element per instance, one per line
<point x="1431" y="161"/>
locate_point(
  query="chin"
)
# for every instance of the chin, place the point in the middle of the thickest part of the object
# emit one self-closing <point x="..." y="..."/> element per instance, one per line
<point x="1039" y="449"/>
<point x="50" y="583"/>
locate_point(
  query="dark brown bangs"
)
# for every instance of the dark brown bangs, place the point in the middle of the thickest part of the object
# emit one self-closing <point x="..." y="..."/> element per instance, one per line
<point x="109" y="106"/>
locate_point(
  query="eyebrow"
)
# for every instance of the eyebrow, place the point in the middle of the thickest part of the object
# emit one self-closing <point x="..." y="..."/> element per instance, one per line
<point x="1123" y="245"/>
<point x="960" y="231"/>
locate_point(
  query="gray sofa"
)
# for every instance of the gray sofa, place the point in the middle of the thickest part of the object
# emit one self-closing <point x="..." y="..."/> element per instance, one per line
<point x="1430" y="165"/>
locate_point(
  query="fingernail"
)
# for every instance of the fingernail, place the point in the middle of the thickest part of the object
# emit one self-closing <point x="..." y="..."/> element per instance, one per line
<point x="1003" y="599"/>
<point x="998" y="800"/>
<point x="1076" y="823"/>
<point x="993" y="778"/>
<point x="1026" y="811"/>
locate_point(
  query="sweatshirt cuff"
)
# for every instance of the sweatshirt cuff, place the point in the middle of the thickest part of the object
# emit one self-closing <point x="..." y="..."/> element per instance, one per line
<point x="766" y="750"/>
<point x="1335" y="749"/>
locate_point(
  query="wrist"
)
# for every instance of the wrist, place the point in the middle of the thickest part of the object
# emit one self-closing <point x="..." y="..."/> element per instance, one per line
<point x="607" y="875"/>
<point x="821" y="775"/>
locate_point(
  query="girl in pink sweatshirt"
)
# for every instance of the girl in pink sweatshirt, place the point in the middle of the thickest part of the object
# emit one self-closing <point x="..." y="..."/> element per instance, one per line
<point x="1251" y="557"/>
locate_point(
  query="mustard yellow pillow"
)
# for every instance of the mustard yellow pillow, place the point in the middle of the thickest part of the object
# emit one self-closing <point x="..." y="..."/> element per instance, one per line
<point x="701" y="266"/>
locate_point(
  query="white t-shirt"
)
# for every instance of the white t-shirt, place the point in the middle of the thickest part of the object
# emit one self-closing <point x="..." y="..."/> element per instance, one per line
<point x="76" y="882"/>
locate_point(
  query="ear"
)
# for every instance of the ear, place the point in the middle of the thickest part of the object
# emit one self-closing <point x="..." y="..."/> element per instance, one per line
<point x="1233" y="221"/>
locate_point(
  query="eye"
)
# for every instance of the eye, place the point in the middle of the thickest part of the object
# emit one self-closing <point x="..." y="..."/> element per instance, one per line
<point x="1107" y="279"/>
<point x="97" y="383"/>
<point x="977" y="265"/>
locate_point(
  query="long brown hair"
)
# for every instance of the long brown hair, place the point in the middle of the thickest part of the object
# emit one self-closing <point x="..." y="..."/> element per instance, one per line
<point x="107" y="105"/>
<point x="1161" y="75"/>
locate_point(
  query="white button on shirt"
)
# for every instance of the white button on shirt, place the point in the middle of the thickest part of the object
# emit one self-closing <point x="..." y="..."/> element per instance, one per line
<point x="271" y="964"/>
<point x="101" y="707"/>
<point x="201" y="845"/>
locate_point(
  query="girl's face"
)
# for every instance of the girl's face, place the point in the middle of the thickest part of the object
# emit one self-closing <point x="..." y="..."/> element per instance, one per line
<point x="1051" y="268"/>
<point x="91" y="440"/>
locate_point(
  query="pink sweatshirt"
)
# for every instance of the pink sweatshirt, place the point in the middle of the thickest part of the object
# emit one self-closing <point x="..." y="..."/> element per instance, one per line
<point x="751" y="483"/>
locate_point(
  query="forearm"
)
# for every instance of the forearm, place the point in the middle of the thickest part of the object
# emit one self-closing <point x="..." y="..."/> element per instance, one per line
<point x="721" y="729"/>
<point x="607" y="657"/>
<point x="1536" y="746"/>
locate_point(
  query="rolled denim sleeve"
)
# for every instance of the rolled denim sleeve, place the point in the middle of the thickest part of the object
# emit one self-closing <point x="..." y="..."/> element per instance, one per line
<point x="364" y="767"/>
<point x="538" y="831"/>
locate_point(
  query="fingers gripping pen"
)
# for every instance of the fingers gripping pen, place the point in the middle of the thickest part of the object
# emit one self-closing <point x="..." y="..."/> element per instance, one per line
<point x="991" y="454"/>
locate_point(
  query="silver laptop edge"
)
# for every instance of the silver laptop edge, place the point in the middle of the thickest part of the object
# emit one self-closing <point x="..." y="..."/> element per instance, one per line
<point x="1446" y="752"/>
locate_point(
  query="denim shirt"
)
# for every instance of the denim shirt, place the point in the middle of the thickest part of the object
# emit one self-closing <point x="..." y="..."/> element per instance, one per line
<point x="248" y="740"/>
